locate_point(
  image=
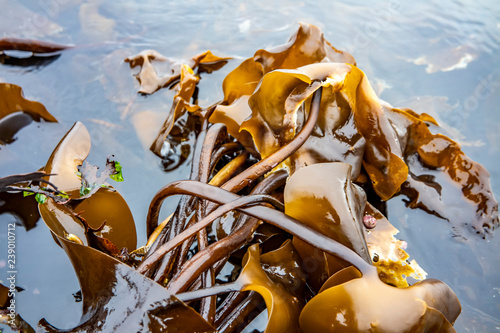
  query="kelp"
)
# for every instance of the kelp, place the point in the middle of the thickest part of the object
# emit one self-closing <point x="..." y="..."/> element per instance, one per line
<point x="438" y="166"/>
<point x="388" y="253"/>
<point x="151" y="82"/>
<point x="104" y="214"/>
<point x="299" y="130"/>
<point x="181" y="77"/>
<point x="148" y="77"/>
<point x="33" y="61"/>
<point x="354" y="126"/>
<point x="16" y="191"/>
<point x="266" y="104"/>
<point x="355" y="303"/>
<point x="117" y="298"/>
<point x="305" y="47"/>
<point x="30" y="45"/>
<point x="43" y="53"/>
<point x="216" y="253"/>
<point x="283" y="307"/>
<point x="17" y="112"/>
<point x="283" y="266"/>
<point x="106" y="283"/>
<point x="185" y="91"/>
<point x="323" y="197"/>
<point x="277" y="114"/>
<point x="430" y="291"/>
<point x="13" y="101"/>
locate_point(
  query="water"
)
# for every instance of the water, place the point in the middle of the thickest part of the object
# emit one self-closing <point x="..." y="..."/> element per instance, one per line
<point x="439" y="57"/>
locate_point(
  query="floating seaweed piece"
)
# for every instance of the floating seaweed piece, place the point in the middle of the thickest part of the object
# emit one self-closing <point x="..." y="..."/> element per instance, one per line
<point x="439" y="166"/>
<point x="43" y="53"/>
<point x="17" y="112"/>
<point x="181" y="77"/>
<point x="148" y="77"/>
<point x="30" y="45"/>
<point x="151" y="82"/>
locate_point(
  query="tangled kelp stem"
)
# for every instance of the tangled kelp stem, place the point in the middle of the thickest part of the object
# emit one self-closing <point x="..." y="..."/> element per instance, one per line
<point x="235" y="184"/>
<point x="269" y="215"/>
<point x="217" y="253"/>
<point x="238" y="203"/>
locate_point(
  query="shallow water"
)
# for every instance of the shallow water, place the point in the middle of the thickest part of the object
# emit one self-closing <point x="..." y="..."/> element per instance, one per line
<point x="439" y="57"/>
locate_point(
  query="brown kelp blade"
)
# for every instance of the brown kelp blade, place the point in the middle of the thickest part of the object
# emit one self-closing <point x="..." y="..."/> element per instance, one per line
<point x="70" y="152"/>
<point x="33" y="61"/>
<point x="323" y="197"/>
<point x="181" y="104"/>
<point x="350" y="303"/>
<point x="106" y="205"/>
<point x="62" y="221"/>
<point x="443" y="180"/>
<point x="306" y="46"/>
<point x="118" y="299"/>
<point x="17" y="112"/>
<point x="30" y="45"/>
<point x="149" y="79"/>
<point x="283" y="308"/>
<point x="283" y="266"/>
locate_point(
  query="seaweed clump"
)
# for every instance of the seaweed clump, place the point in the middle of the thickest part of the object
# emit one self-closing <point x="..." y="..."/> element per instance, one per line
<point x="277" y="197"/>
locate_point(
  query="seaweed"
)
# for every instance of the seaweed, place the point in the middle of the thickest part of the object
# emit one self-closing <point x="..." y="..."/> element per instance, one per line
<point x="277" y="197"/>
